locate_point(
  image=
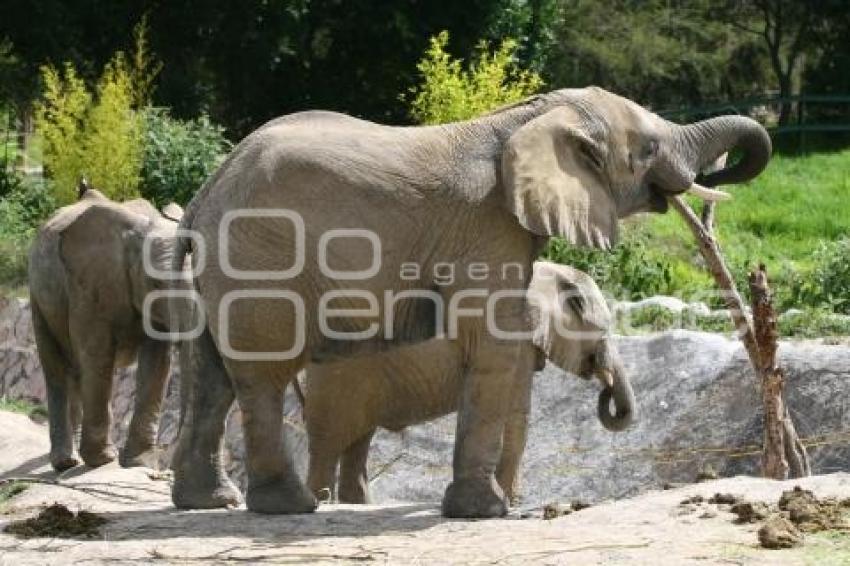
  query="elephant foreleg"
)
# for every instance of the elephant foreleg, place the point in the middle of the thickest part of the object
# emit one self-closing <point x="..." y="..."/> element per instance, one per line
<point x="200" y="481"/>
<point x="484" y="405"/>
<point x="321" y="475"/>
<point x="353" y="473"/>
<point x="273" y="484"/>
<point x="151" y="377"/>
<point x="58" y="376"/>
<point x="514" y="439"/>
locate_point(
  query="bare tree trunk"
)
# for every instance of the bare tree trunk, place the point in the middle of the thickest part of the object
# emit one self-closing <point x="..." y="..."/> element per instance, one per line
<point x="25" y="119"/>
<point x="782" y="447"/>
<point x="784" y="452"/>
<point x="774" y="464"/>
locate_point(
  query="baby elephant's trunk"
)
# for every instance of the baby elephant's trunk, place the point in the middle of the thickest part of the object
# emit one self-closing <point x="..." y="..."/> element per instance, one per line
<point x="618" y="389"/>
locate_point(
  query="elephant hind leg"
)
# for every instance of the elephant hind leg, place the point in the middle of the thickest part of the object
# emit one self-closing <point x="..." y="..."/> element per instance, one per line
<point x="206" y="396"/>
<point x="59" y="377"/>
<point x="353" y="473"/>
<point x="273" y="483"/>
<point x="321" y="473"/>
<point x="97" y="365"/>
<point x="151" y="377"/>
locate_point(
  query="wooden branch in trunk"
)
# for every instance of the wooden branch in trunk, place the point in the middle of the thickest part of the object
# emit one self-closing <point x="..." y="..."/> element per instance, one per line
<point x="782" y="446"/>
<point x="710" y="249"/>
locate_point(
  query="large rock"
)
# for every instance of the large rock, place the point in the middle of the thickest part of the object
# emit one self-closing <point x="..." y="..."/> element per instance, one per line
<point x="699" y="406"/>
<point x="20" y="372"/>
<point x="698" y="402"/>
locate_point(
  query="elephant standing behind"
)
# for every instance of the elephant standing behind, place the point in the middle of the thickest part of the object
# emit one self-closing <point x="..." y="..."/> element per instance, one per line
<point x="87" y="287"/>
<point x="347" y="400"/>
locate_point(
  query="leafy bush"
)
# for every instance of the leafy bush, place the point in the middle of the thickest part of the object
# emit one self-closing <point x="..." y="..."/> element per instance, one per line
<point x="9" y="179"/>
<point x="21" y="212"/>
<point x="178" y="155"/>
<point x="809" y="323"/>
<point x="97" y="136"/>
<point x="448" y="92"/>
<point x="814" y="323"/>
<point x="629" y="271"/>
<point x="827" y="283"/>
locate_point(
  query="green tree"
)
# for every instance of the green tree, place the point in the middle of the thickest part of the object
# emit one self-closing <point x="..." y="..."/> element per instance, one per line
<point x="112" y="135"/>
<point x="179" y="155"/>
<point x="59" y="117"/>
<point x="658" y="53"/>
<point x="448" y="92"/>
<point x="96" y="136"/>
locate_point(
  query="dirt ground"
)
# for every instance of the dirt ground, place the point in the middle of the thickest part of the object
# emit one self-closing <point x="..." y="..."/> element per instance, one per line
<point x="142" y="527"/>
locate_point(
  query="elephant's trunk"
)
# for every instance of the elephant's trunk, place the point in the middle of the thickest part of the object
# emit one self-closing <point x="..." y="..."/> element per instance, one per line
<point x="698" y="145"/>
<point x="619" y="389"/>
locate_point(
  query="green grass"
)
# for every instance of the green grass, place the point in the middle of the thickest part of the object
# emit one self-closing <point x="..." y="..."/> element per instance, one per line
<point x="10" y="490"/>
<point x="809" y="323"/>
<point x="33" y="410"/>
<point x="779" y="218"/>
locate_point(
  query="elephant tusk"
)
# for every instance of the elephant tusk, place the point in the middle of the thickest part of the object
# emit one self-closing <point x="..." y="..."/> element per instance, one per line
<point x="710" y="195"/>
<point x="607" y="378"/>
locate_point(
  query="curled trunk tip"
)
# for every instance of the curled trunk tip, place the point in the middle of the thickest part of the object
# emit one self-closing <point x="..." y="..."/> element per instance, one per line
<point x="622" y="416"/>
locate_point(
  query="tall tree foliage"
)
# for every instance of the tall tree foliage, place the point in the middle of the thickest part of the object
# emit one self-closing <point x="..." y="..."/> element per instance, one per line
<point x="449" y="92"/>
<point x="658" y="52"/>
<point x="245" y="61"/>
<point x="787" y="28"/>
<point x="98" y="136"/>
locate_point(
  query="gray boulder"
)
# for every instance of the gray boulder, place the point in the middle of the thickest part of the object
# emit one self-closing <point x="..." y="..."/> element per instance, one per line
<point x="699" y="406"/>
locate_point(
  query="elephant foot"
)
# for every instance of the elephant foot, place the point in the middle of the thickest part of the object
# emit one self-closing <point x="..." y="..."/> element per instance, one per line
<point x="188" y="495"/>
<point x="513" y="498"/>
<point x="63" y="462"/>
<point x="139" y="458"/>
<point x="280" y="497"/>
<point x="474" y="499"/>
<point x="96" y="457"/>
<point x="357" y="494"/>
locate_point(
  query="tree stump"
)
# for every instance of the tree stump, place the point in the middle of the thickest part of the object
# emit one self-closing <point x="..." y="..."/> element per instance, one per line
<point x="783" y="451"/>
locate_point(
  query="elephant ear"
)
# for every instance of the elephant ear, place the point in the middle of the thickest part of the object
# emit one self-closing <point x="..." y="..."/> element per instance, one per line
<point x="552" y="170"/>
<point x="566" y="307"/>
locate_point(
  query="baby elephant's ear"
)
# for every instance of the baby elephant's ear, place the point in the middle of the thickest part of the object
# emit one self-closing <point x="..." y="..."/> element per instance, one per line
<point x="553" y="174"/>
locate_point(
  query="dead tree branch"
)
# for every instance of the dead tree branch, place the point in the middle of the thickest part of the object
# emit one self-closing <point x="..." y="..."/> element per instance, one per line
<point x="782" y="447"/>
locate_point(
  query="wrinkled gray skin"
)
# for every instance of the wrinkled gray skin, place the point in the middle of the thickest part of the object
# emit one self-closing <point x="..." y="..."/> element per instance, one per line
<point x="348" y="400"/>
<point x="489" y="191"/>
<point x="87" y="286"/>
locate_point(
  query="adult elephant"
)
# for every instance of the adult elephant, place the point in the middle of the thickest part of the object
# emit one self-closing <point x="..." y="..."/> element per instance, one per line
<point x="481" y="197"/>
<point x="348" y="400"/>
<point x="87" y="287"/>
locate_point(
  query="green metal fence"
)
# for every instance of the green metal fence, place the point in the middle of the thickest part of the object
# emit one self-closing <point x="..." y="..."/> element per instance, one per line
<point x="820" y="116"/>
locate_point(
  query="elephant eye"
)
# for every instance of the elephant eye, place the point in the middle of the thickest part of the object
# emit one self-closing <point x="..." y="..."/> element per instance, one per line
<point x="571" y="298"/>
<point x="650" y="150"/>
<point x="591" y="154"/>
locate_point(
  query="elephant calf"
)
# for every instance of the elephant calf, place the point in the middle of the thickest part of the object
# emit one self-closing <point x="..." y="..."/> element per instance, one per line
<point x="347" y="400"/>
<point x="87" y="287"/>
